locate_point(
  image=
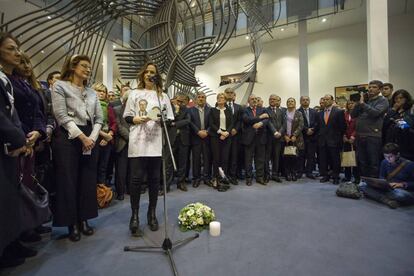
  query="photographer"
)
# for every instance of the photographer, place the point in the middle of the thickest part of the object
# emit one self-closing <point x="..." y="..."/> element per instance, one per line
<point x="369" y="112"/>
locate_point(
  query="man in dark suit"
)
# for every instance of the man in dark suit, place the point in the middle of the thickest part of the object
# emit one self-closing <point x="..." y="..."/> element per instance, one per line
<point x="331" y="127"/>
<point x="254" y="138"/>
<point x="307" y="161"/>
<point x="235" y="134"/>
<point x="274" y="139"/>
<point x="121" y="148"/>
<point x="200" y="141"/>
<point x="181" y="140"/>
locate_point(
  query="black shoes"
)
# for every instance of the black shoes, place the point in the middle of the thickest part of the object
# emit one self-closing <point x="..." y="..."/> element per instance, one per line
<point x="196" y="183"/>
<point x="261" y="180"/>
<point x="134" y="222"/>
<point x="120" y="197"/>
<point x="182" y="186"/>
<point x="310" y="176"/>
<point x="248" y="181"/>
<point x="86" y="229"/>
<point x="152" y="219"/>
<point x="324" y="179"/>
<point x="277" y="179"/>
<point x="74" y="233"/>
<point x="288" y="177"/>
<point x="336" y="181"/>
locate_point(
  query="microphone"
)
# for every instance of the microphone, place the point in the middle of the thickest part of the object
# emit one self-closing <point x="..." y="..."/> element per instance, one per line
<point x="153" y="79"/>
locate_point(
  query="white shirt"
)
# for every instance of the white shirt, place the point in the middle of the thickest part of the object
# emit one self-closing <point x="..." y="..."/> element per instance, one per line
<point x="145" y="140"/>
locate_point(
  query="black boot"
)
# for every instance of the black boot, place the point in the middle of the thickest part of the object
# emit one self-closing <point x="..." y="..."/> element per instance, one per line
<point x="74" y="234"/>
<point x="85" y="228"/>
<point x="134" y="222"/>
<point x="152" y="219"/>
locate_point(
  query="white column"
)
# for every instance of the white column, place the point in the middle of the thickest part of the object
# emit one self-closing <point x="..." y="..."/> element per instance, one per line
<point x="303" y="58"/>
<point x="107" y="70"/>
<point x="377" y="32"/>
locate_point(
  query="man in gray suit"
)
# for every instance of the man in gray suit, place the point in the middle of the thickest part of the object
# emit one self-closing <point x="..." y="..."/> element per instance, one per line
<point x="274" y="140"/>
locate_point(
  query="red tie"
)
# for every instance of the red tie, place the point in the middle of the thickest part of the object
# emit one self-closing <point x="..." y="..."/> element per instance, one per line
<point x="254" y="111"/>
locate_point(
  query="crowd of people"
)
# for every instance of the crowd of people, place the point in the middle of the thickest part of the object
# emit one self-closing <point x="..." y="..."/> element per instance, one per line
<point x="70" y="137"/>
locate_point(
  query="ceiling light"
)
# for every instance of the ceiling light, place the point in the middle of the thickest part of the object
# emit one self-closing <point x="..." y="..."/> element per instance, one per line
<point x="324" y="19"/>
<point x="49" y="17"/>
<point x="247" y="37"/>
<point x="282" y="29"/>
<point x="217" y="44"/>
<point x="193" y="4"/>
<point x="42" y="52"/>
<point x="114" y="46"/>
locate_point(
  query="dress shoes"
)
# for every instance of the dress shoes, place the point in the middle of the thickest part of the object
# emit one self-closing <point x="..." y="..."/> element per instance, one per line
<point x="86" y="229"/>
<point x="294" y="177"/>
<point x="120" y="197"/>
<point x="160" y="192"/>
<point x="324" y="179"/>
<point x="288" y="177"/>
<point x="74" y="233"/>
<point x="310" y="176"/>
<point x="267" y="179"/>
<point x="196" y="183"/>
<point x="182" y="186"/>
<point x="134" y="222"/>
<point x="277" y="179"/>
<point x="152" y="219"/>
<point x="261" y="180"/>
<point x="249" y="182"/>
<point x="336" y="181"/>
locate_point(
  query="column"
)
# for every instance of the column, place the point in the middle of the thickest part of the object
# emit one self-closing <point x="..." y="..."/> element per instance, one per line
<point x="377" y="32"/>
<point x="107" y="70"/>
<point x="303" y="58"/>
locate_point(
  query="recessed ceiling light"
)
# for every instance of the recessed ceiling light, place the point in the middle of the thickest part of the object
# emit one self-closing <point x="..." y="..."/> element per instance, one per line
<point x="217" y="44"/>
<point x="42" y="52"/>
<point x="193" y="4"/>
<point x="114" y="46"/>
<point x="49" y="17"/>
<point x="324" y="19"/>
<point x="247" y="37"/>
<point x="282" y="29"/>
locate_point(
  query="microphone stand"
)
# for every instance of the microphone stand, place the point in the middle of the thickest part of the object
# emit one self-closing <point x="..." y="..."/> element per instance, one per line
<point x="167" y="245"/>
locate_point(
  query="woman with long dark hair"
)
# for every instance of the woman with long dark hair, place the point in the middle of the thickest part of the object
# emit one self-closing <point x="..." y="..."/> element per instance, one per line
<point x="396" y="129"/>
<point x="349" y="142"/>
<point x="145" y="141"/>
<point x="79" y="116"/>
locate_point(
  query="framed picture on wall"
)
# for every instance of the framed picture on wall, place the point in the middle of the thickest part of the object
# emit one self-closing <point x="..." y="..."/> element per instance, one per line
<point x="233" y="78"/>
<point x="342" y="93"/>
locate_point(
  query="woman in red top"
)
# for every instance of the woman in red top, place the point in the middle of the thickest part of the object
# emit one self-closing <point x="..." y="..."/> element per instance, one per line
<point x="349" y="142"/>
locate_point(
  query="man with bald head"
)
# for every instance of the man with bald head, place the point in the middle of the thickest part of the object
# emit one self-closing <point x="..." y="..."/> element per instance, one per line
<point x="254" y="138"/>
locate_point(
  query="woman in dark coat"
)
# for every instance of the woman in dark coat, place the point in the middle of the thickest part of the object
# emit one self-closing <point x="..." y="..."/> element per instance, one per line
<point x="12" y="142"/>
<point x="221" y="123"/>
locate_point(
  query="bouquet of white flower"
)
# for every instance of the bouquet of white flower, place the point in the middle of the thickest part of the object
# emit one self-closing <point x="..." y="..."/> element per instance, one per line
<point x="195" y="216"/>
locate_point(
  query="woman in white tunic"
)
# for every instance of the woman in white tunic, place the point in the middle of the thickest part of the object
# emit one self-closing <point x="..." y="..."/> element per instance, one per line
<point x="145" y="141"/>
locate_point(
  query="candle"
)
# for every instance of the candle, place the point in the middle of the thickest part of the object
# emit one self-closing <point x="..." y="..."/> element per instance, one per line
<point x="214" y="228"/>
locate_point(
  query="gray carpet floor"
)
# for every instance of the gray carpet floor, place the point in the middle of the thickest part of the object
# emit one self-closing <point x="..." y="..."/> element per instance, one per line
<point x="298" y="228"/>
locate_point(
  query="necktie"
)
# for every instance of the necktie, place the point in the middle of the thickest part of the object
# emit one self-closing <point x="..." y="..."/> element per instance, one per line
<point x="307" y="115"/>
<point x="274" y="109"/>
<point x="254" y="111"/>
<point x="326" y="116"/>
<point x="231" y="107"/>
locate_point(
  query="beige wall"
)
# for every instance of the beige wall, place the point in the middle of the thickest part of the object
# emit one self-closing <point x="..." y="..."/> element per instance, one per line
<point x="337" y="57"/>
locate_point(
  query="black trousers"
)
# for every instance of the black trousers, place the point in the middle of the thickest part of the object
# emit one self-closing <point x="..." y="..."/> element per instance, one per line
<point x="234" y="160"/>
<point x="76" y="179"/>
<point x="307" y="160"/>
<point x="141" y="167"/>
<point x="201" y="152"/>
<point x="122" y="171"/>
<point x="272" y="155"/>
<point x="369" y="155"/>
<point x="181" y="157"/>
<point x="256" y="151"/>
<point x="104" y="153"/>
<point x="331" y="156"/>
<point x="220" y="150"/>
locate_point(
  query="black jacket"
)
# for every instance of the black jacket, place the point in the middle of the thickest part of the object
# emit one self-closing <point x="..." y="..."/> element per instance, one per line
<point x="215" y="121"/>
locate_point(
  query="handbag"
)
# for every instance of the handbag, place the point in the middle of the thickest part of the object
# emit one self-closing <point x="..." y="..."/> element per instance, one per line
<point x="348" y="190"/>
<point x="35" y="204"/>
<point x="290" y="151"/>
<point x="348" y="158"/>
<point x="104" y="195"/>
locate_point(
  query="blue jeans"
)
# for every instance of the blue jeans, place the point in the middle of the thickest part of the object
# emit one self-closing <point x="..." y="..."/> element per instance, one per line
<point x="402" y="196"/>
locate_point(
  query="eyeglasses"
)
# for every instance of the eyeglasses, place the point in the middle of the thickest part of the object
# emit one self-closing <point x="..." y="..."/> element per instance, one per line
<point x="85" y="66"/>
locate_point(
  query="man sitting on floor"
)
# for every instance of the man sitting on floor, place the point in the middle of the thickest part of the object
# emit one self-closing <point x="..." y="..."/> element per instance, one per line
<point x="399" y="173"/>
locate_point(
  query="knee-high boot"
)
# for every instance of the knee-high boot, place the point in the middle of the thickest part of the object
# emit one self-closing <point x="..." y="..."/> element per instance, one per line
<point x="151" y="214"/>
<point x="134" y="221"/>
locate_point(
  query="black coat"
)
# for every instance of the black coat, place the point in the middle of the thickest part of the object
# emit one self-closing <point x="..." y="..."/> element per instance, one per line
<point x="195" y="123"/>
<point x="181" y="126"/>
<point x="275" y="122"/>
<point x="249" y="133"/>
<point x="10" y="200"/>
<point x="331" y="134"/>
<point x="313" y="123"/>
<point x="215" y="121"/>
